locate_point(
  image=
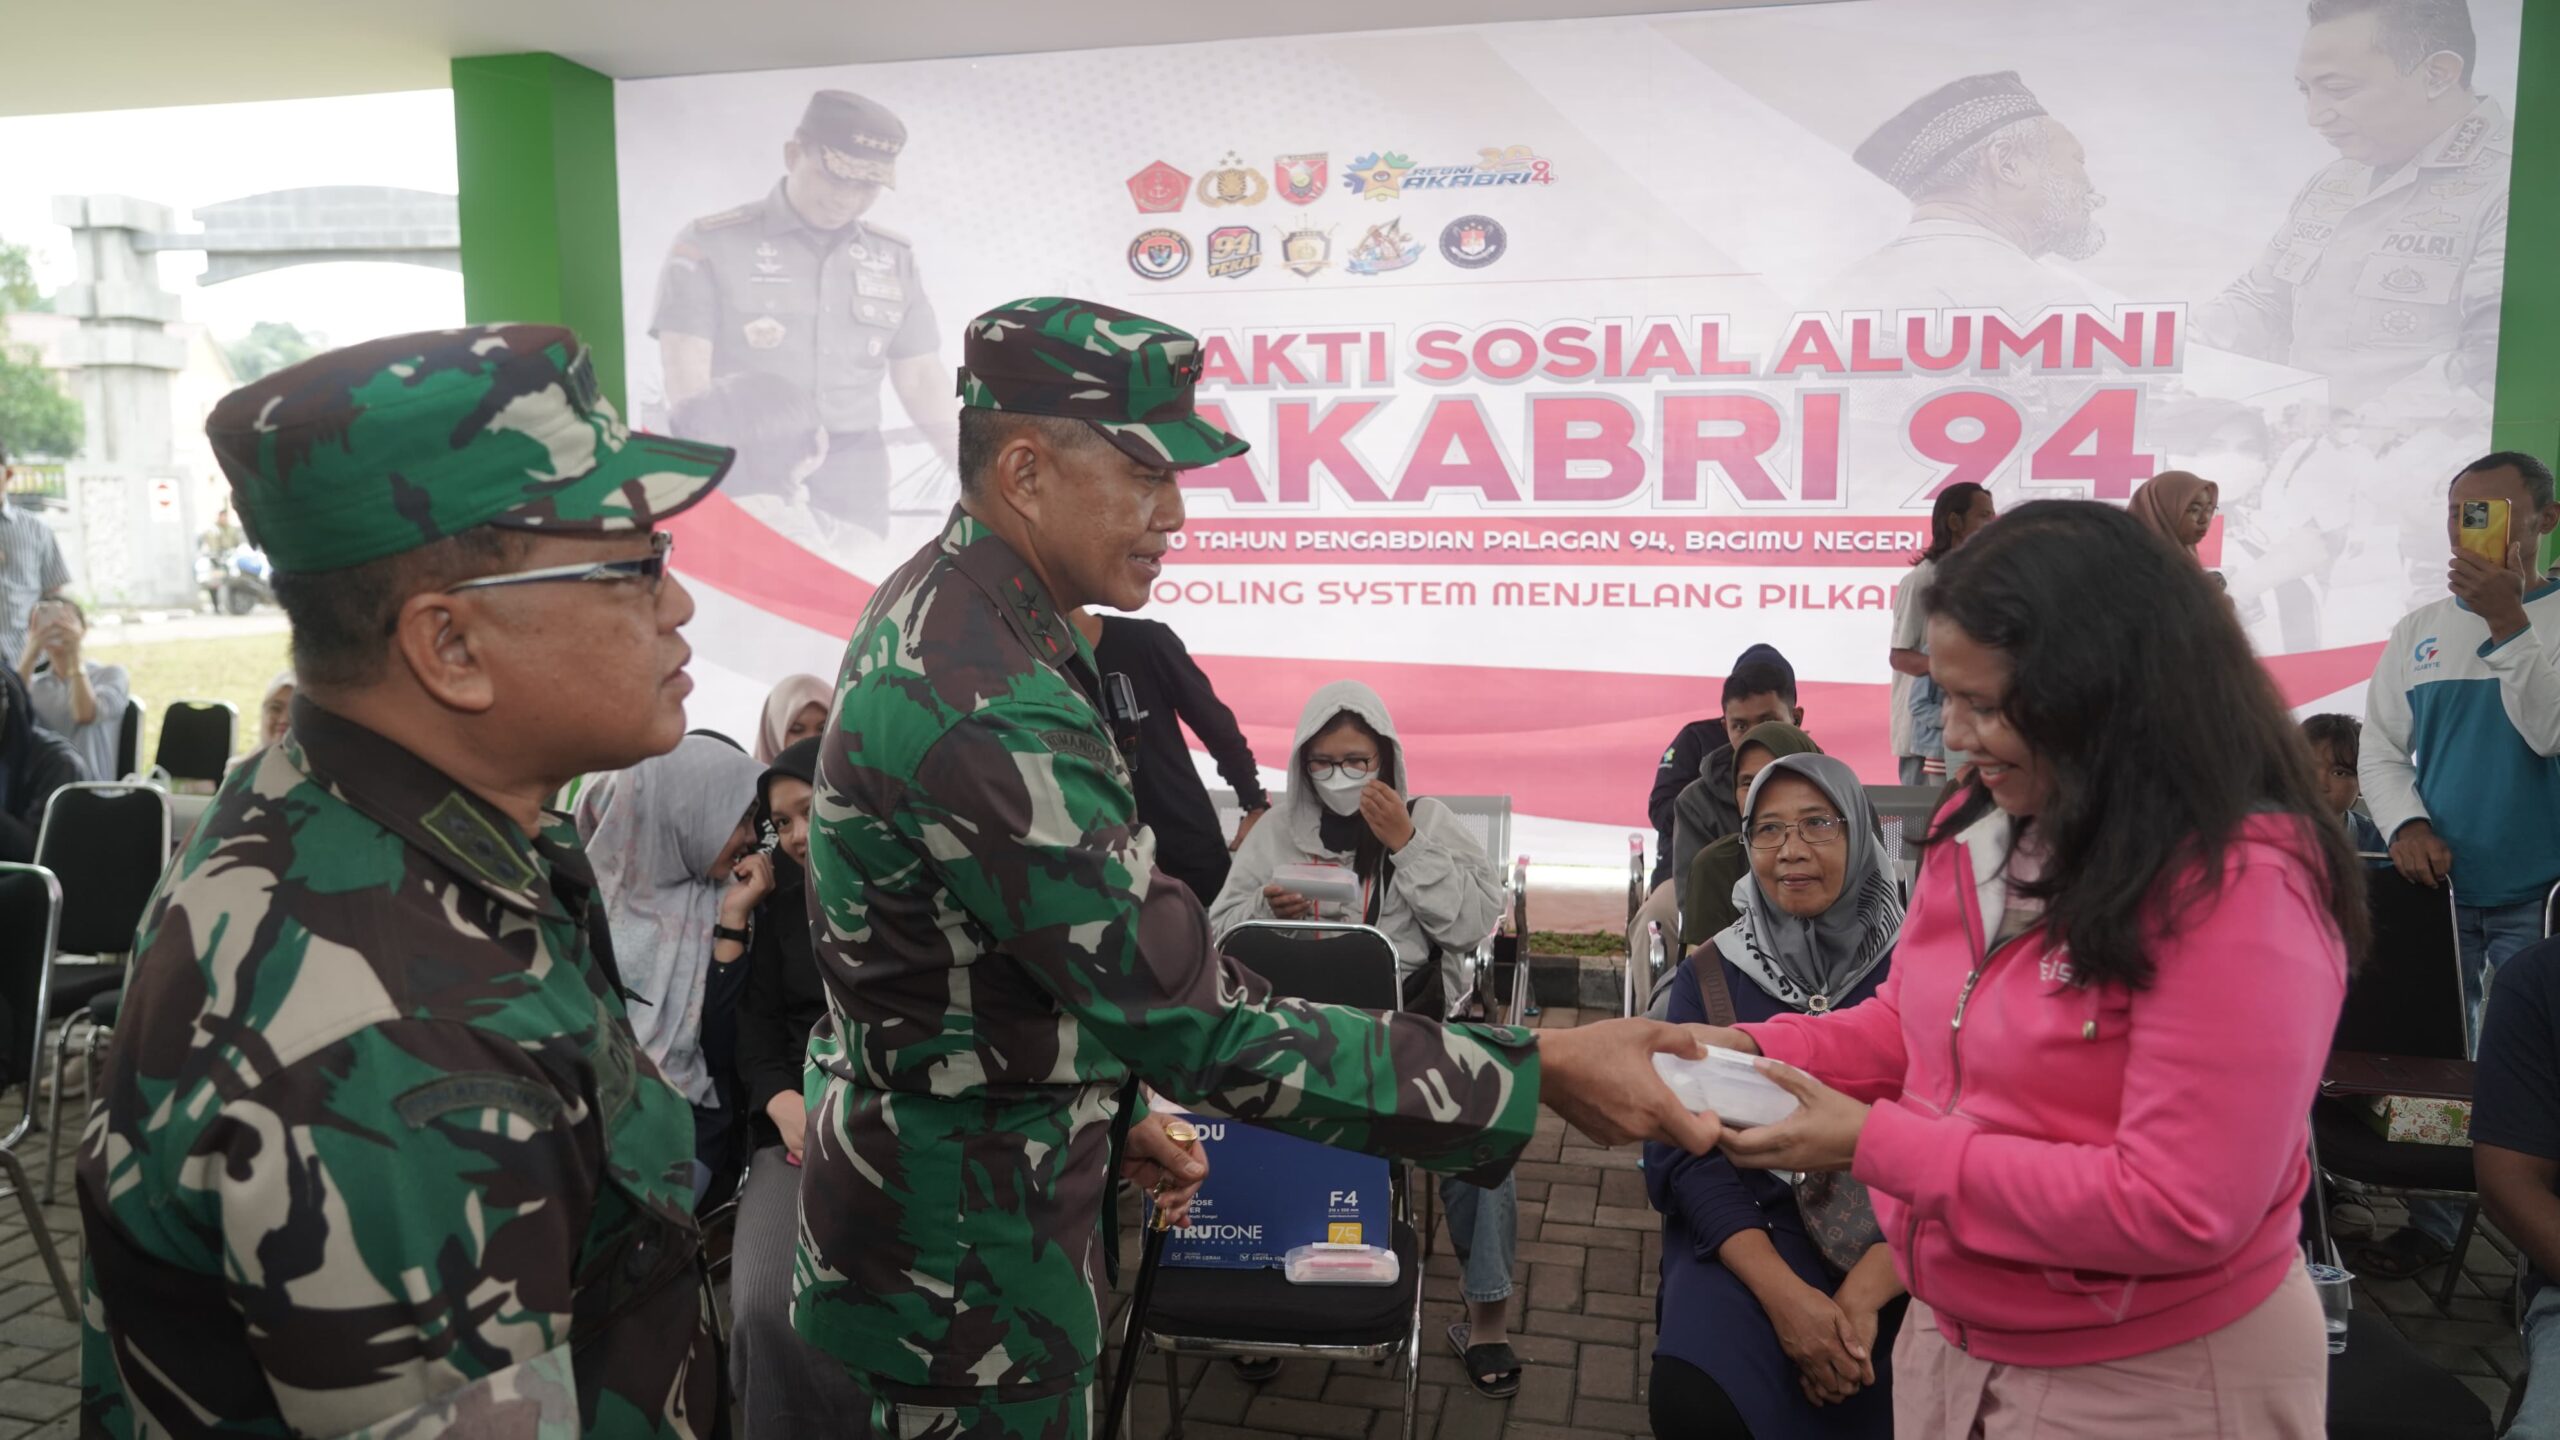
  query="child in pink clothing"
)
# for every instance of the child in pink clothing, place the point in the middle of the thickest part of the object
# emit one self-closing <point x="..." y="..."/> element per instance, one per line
<point x="2081" y="1101"/>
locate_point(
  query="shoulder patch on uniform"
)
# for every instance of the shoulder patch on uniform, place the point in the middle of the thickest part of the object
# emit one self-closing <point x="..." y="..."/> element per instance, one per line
<point x="476" y="843"/>
<point x="425" y="1104"/>
<point x="1078" y="744"/>
<point x="727" y="218"/>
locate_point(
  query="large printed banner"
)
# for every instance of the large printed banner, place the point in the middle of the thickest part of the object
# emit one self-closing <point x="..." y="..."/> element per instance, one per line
<point x="1578" y="356"/>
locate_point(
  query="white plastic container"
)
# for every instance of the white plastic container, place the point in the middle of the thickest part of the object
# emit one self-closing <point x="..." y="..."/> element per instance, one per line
<point x="1728" y="1083"/>
<point x="1334" y="888"/>
<point x="1322" y="1264"/>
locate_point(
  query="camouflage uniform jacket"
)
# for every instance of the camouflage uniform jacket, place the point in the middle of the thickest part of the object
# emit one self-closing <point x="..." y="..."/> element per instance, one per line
<point x="378" y="1154"/>
<point x="999" y="957"/>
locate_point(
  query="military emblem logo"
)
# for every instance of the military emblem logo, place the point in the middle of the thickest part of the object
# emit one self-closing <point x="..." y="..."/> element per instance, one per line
<point x="1300" y="178"/>
<point x="2438" y="218"/>
<point x="1304" y="252"/>
<point x="1159" y="254"/>
<point x="1159" y="189"/>
<point x="1471" y="242"/>
<point x="2404" y="281"/>
<point x="764" y="333"/>
<point x="2399" y="322"/>
<point x="2453" y="189"/>
<point x="1232" y="184"/>
<point x="1386" y="247"/>
<point x="1234" y="251"/>
<point x="768" y="260"/>
<point x="1377" y="177"/>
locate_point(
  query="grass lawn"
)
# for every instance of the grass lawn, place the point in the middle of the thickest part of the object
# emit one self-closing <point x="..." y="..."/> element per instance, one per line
<point x="229" y="667"/>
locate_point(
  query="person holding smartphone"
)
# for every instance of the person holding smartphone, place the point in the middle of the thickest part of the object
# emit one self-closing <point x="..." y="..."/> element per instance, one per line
<point x="2461" y="755"/>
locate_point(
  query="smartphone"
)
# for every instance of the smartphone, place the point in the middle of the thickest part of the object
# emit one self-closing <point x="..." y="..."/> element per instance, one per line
<point x="2484" y="529"/>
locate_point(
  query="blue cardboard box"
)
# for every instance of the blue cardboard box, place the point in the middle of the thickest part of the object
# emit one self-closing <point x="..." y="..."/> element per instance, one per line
<point x="1269" y="1192"/>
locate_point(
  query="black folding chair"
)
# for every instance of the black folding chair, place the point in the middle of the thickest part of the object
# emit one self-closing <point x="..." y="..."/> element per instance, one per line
<point x="109" y="844"/>
<point x="128" y="740"/>
<point x="30" y="916"/>
<point x="2405" y="1005"/>
<point x="1258" y="1312"/>
<point x="196" y="737"/>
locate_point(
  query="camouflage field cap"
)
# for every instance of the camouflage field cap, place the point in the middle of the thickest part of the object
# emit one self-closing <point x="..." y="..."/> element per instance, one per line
<point x="385" y="446"/>
<point x="1126" y="375"/>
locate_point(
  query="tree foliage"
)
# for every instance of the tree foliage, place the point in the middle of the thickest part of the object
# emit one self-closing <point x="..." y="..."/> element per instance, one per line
<point x="269" y="346"/>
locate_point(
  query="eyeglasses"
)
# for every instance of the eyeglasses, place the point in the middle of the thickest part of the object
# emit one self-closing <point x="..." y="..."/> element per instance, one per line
<point x="650" y="569"/>
<point x="1816" y="830"/>
<point x="1327" y="769"/>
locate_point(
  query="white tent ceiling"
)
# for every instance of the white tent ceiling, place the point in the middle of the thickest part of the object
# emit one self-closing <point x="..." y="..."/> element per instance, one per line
<point x="69" y="55"/>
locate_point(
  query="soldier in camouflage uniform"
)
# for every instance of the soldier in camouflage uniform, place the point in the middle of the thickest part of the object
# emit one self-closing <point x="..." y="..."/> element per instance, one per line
<point x="1001" y="955"/>
<point x="378" y="1154"/>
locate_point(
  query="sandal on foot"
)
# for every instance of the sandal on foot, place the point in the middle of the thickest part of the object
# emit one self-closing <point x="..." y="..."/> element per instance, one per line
<point x="1492" y="1369"/>
<point x="2402" y="1256"/>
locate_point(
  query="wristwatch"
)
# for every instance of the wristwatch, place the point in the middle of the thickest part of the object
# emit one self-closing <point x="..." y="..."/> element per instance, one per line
<point x="723" y="932"/>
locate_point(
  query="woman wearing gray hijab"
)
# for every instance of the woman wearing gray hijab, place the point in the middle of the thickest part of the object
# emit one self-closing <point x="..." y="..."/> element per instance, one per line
<point x="666" y="837"/>
<point x="1779" y="1301"/>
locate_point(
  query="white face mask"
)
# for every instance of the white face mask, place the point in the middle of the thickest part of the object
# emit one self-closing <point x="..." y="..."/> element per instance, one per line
<point x="1341" y="794"/>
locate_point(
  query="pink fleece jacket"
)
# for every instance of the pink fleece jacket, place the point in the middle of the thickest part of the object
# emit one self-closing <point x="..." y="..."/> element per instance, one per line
<point x="2075" y="1174"/>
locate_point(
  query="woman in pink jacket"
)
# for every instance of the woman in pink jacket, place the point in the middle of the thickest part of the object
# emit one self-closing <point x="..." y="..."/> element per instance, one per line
<point x="2081" y="1103"/>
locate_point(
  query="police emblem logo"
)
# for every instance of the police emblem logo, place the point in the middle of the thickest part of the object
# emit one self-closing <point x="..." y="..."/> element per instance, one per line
<point x="2438" y="218"/>
<point x="1159" y="254"/>
<point x="764" y="332"/>
<point x="2404" y="281"/>
<point x="1300" y="178"/>
<point x="1232" y="184"/>
<point x="1386" y="247"/>
<point x="2398" y="323"/>
<point x="1378" y="176"/>
<point x="1305" y="252"/>
<point x="1234" y="251"/>
<point x="1471" y="242"/>
<point x="2453" y="189"/>
<point x="1159" y="189"/>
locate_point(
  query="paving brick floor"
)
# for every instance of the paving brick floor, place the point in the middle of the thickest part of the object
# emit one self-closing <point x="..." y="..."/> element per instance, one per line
<point x="1590" y="1249"/>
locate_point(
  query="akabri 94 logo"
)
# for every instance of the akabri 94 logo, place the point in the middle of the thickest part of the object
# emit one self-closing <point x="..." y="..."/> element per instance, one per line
<point x="2425" y="653"/>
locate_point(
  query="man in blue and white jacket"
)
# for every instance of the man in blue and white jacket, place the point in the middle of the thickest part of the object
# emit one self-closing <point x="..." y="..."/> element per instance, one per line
<point x="2461" y="756"/>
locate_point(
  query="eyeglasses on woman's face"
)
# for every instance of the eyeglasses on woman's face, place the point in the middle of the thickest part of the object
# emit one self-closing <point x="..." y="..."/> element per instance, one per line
<point x="1816" y="830"/>
<point x="1325" y="767"/>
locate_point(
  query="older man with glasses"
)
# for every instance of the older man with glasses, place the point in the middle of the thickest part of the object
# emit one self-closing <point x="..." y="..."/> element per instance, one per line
<point x="378" y="1152"/>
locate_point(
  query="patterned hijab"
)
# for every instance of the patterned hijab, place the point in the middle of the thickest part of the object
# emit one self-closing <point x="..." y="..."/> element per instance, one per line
<point x="652" y="833"/>
<point x="1811" y="964"/>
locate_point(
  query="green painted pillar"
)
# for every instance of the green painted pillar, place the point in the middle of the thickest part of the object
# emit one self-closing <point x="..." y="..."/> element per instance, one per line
<point x="541" y="216"/>
<point x="2528" y="407"/>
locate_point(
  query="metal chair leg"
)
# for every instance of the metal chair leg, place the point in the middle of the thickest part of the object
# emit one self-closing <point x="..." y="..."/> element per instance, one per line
<point x="43" y="1233"/>
<point x="1413" y="1365"/>
<point x="53" y="1114"/>
<point x="1172" y="1392"/>
<point x="2453" y="1263"/>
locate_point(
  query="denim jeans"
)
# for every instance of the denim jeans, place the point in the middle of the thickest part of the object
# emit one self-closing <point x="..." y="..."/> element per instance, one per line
<point x="2490" y="935"/>
<point x="2539" y="1417"/>
<point x="1484" y="1228"/>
